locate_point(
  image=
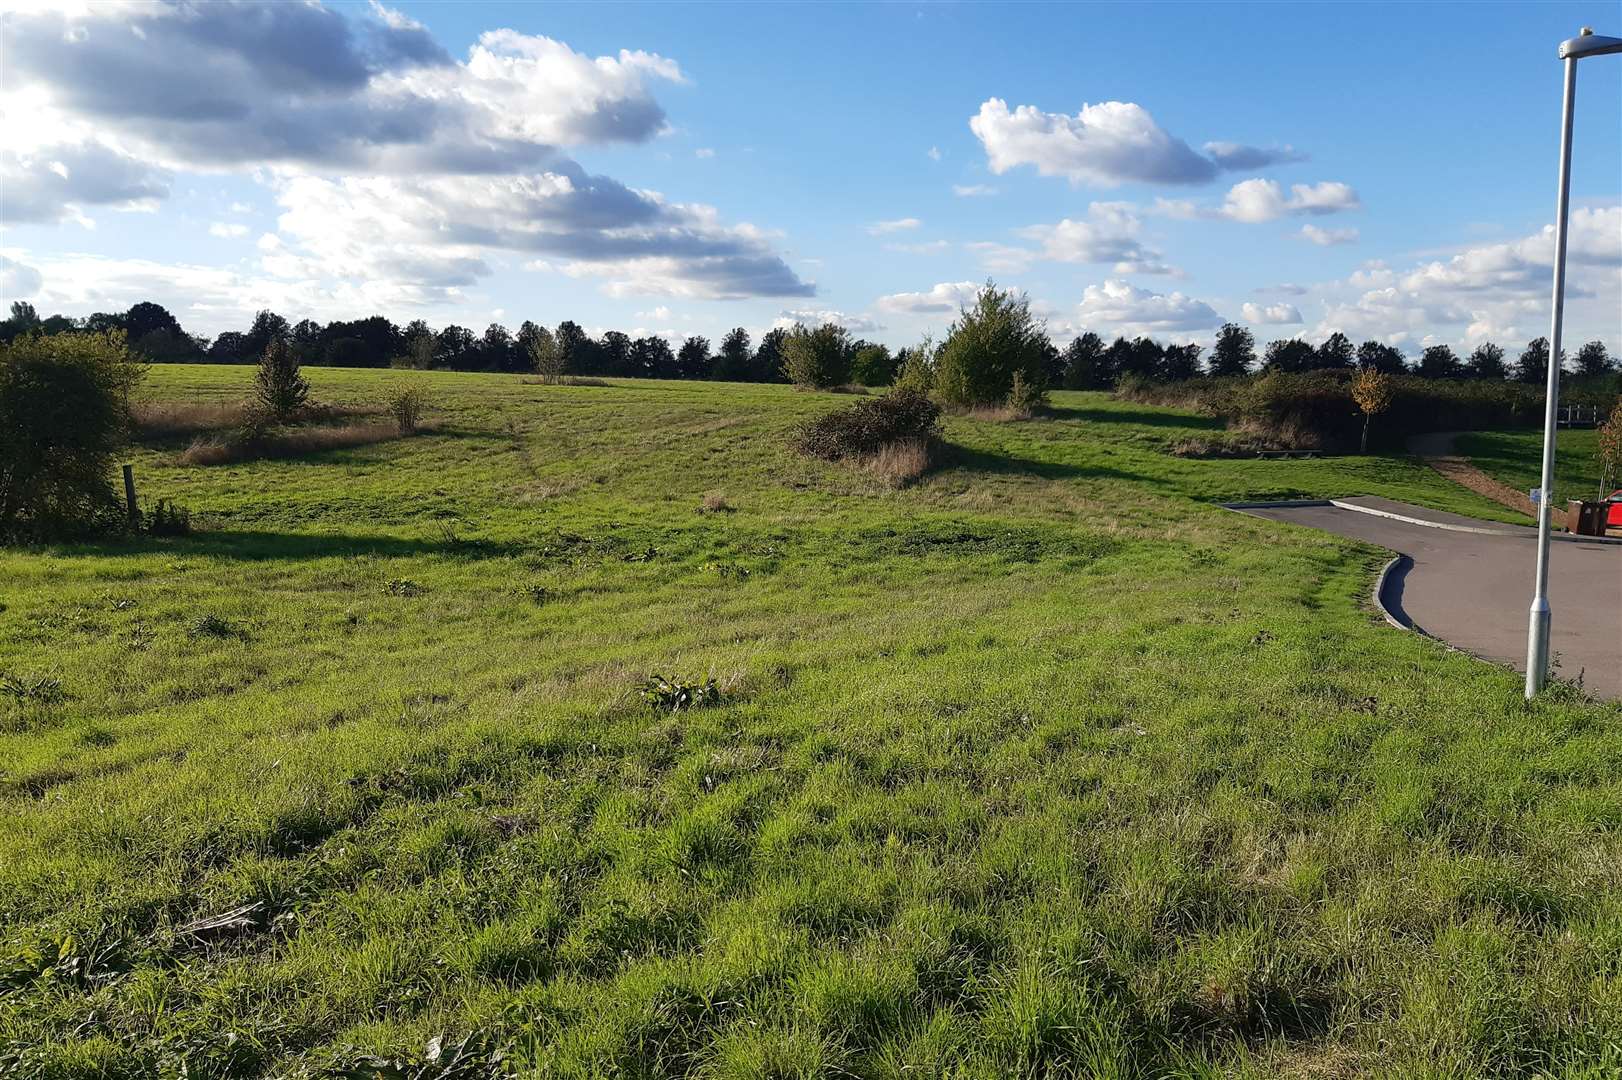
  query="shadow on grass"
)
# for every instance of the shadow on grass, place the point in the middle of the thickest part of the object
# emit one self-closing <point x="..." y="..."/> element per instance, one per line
<point x="954" y="456"/>
<point x="251" y="546"/>
<point x="1137" y="416"/>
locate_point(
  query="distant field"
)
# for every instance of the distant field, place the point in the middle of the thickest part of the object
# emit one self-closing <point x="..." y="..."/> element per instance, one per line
<point x="1516" y="458"/>
<point x="1044" y="766"/>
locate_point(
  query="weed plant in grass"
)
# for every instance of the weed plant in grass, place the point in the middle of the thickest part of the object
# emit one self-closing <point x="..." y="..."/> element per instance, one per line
<point x="1042" y="766"/>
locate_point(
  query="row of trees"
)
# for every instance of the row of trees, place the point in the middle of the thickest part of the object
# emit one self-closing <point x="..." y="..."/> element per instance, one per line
<point x="820" y="356"/>
<point x="155" y="334"/>
<point x="1089" y="364"/>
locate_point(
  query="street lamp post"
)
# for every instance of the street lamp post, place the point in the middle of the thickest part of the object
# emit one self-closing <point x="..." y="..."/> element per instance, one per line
<point x="1537" y="638"/>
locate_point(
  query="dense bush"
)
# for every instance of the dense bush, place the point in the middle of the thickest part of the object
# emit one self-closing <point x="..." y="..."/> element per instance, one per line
<point x="1317" y="409"/>
<point x="406" y="405"/>
<point x="64" y="412"/>
<point x="990" y="341"/>
<point x="817" y="358"/>
<point x="867" y="426"/>
<point x="873" y="365"/>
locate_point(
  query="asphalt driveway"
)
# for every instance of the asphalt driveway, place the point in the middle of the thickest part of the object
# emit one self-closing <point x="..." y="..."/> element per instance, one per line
<point x="1473" y="589"/>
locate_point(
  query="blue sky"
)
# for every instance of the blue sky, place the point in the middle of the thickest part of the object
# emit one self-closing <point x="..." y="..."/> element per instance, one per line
<point x="1383" y="170"/>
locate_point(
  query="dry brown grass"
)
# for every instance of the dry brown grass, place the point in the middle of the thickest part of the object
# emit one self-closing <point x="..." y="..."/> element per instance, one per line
<point x="168" y="419"/>
<point x="566" y="380"/>
<point x="714" y="503"/>
<point x="842" y="388"/>
<point x="901" y="462"/>
<point x="289" y="442"/>
<point x="998" y="413"/>
<point x="163" y="419"/>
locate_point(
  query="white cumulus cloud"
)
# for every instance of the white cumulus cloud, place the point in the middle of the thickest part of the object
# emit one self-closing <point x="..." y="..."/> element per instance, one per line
<point x="1495" y="290"/>
<point x="1127" y="309"/>
<point x="1327" y="237"/>
<point x="856" y="324"/>
<point x="1257" y="200"/>
<point x="340" y="111"/>
<point x="1112" y="142"/>
<point x="1263" y="200"/>
<point x="1108" y="235"/>
<point x="1271" y="314"/>
<point x="946" y="297"/>
<point x="880" y="228"/>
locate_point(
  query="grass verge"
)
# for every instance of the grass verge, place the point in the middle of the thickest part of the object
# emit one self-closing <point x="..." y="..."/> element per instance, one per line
<point x="1516" y="458"/>
<point x="1042" y="765"/>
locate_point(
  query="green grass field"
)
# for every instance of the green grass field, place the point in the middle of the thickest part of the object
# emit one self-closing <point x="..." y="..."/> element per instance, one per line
<point x="1516" y="458"/>
<point x="1045" y="766"/>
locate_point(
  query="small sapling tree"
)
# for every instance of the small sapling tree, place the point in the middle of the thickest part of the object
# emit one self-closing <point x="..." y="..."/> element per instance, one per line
<point x="1609" y="451"/>
<point x="279" y="388"/>
<point x="1372" y="391"/>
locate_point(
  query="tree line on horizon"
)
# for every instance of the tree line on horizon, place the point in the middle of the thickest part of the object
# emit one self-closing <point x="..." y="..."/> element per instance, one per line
<point x="1087" y="362"/>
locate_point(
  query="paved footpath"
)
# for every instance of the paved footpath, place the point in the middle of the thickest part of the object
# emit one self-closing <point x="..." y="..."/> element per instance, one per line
<point x="1473" y="589"/>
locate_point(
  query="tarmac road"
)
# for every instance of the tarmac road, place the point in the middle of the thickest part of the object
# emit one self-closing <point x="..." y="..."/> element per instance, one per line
<point x="1473" y="590"/>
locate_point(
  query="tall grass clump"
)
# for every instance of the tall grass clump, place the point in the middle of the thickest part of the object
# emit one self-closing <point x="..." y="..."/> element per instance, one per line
<point x="169" y="419"/>
<point x="64" y="413"/>
<point x="901" y="461"/>
<point x="255" y="442"/>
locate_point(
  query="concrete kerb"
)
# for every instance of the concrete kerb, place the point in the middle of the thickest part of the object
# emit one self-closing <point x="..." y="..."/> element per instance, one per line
<point x="1513" y="532"/>
<point x="1275" y="505"/>
<point x="1379" y="595"/>
<point x="1343" y="505"/>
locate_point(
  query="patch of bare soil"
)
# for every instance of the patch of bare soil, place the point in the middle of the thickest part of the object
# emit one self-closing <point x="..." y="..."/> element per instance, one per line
<point x="1438" y="451"/>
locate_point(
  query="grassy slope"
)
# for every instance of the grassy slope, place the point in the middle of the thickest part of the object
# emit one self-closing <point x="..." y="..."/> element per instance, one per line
<point x="1516" y="458"/>
<point x="1043" y="765"/>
